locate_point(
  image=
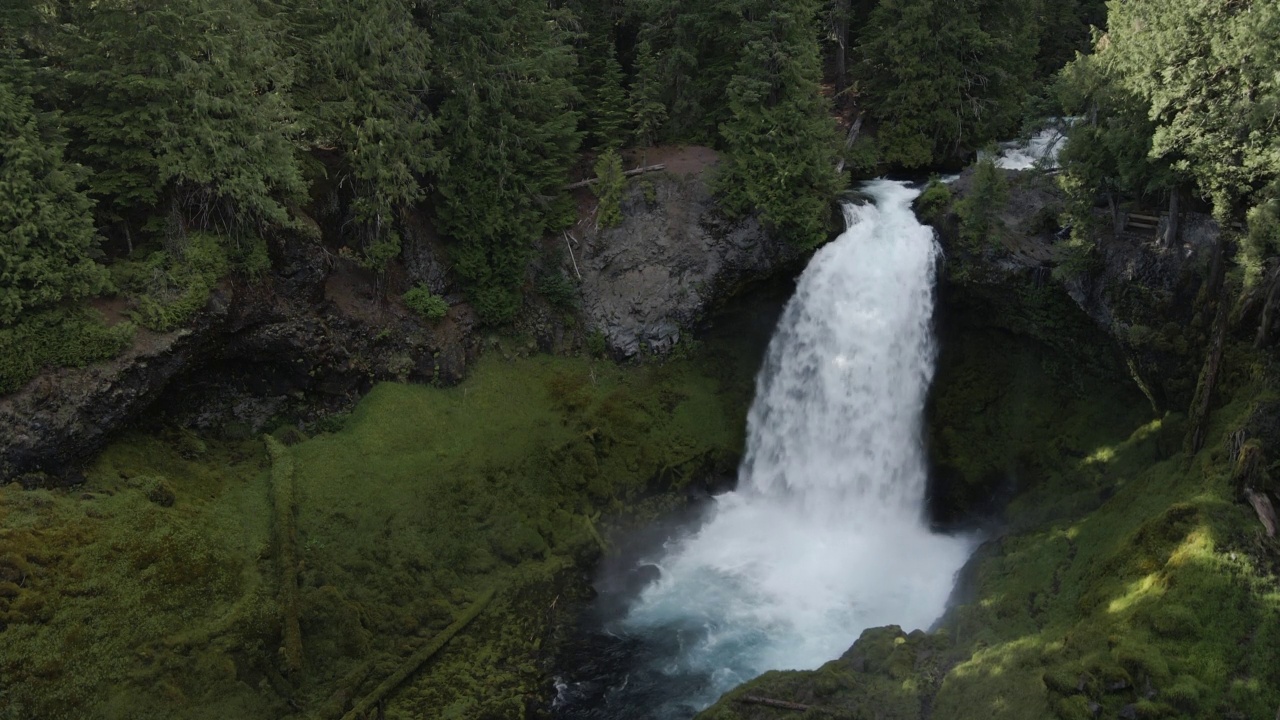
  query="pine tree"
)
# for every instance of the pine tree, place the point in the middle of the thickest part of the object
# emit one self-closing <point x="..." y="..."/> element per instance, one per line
<point x="648" y="113"/>
<point x="182" y="106"/>
<point x="610" y="119"/>
<point x="942" y="79"/>
<point x="365" y="77"/>
<point x="47" y="238"/>
<point x="780" y="139"/>
<point x="507" y="138"/>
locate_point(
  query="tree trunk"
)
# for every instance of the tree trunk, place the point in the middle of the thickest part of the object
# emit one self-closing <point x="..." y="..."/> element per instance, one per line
<point x="628" y="173"/>
<point x="1171" y="232"/>
<point x="1200" y="405"/>
<point x="852" y="138"/>
<point x="1263" y="338"/>
<point x="1265" y="510"/>
<point x="840" y="28"/>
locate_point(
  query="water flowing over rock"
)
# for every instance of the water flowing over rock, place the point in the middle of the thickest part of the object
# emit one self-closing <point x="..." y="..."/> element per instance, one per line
<point x="825" y="536"/>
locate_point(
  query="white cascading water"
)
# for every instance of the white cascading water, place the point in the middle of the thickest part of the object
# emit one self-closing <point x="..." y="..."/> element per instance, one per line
<point x="826" y="535"/>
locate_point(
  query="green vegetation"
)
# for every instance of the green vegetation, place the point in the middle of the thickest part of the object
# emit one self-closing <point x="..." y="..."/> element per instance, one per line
<point x="141" y="124"/>
<point x="46" y="219"/>
<point x="787" y="177"/>
<point x="57" y="338"/>
<point x="154" y="590"/>
<point x="942" y="79"/>
<point x="421" y="300"/>
<point x="979" y="209"/>
<point x="609" y="188"/>
<point x="172" y="287"/>
<point x="934" y="202"/>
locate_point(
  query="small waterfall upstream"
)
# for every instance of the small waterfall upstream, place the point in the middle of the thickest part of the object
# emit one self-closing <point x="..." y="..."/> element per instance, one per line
<point x="825" y="535"/>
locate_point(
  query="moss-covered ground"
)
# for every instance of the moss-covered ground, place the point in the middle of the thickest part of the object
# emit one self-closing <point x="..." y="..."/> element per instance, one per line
<point x="155" y="589"/>
<point x="1124" y="579"/>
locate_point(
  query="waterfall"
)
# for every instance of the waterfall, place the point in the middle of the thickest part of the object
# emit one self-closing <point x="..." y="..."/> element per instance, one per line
<point x="825" y="535"/>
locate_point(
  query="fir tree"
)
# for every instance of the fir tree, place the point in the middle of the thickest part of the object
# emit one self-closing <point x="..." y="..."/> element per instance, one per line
<point x="182" y="105"/>
<point x="780" y="139"/>
<point x="508" y="136"/>
<point x="648" y="113"/>
<point x="365" y="79"/>
<point x="47" y="238"/>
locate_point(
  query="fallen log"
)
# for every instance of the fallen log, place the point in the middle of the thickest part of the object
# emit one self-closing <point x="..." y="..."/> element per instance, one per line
<point x="781" y="703"/>
<point x="286" y="540"/>
<point x="628" y="173"/>
<point x="418" y="659"/>
<point x="1265" y="510"/>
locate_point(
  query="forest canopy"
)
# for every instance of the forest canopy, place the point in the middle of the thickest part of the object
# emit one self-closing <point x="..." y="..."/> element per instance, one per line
<point x="134" y="126"/>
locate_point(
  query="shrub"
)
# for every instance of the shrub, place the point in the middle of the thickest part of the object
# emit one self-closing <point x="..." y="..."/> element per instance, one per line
<point x="558" y="290"/>
<point x="979" y="210"/>
<point x="176" y="285"/>
<point x="57" y="338"/>
<point x="609" y="188"/>
<point x="426" y="303"/>
<point x="933" y="202"/>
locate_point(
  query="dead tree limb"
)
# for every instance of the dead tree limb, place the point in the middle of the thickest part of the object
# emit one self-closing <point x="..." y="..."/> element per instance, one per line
<point x="784" y="704"/>
<point x="286" y="538"/>
<point x="571" y="257"/>
<point x="415" y="661"/>
<point x="628" y="173"/>
<point x="1266" y="511"/>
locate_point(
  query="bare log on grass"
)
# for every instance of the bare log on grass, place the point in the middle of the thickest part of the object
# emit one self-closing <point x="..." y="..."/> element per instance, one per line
<point x="418" y="659"/>
<point x="286" y="540"/>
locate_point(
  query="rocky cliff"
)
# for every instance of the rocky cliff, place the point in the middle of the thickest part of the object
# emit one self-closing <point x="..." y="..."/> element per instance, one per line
<point x="653" y="278"/>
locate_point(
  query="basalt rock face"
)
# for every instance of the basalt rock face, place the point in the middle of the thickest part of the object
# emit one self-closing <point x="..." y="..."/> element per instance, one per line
<point x="50" y="426"/>
<point x="310" y="336"/>
<point x="648" y="281"/>
<point x="1147" y="296"/>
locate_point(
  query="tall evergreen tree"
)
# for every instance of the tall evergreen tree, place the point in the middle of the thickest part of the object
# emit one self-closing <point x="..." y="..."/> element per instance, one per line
<point x="780" y="138"/>
<point x="362" y="91"/>
<point x="1207" y="71"/>
<point x="696" y="45"/>
<point x="47" y="236"/>
<point x="181" y="105"/>
<point x="507" y="134"/>
<point x="648" y="113"/>
<point x="943" y="78"/>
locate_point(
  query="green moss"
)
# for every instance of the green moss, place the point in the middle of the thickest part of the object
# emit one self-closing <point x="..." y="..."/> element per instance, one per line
<point x="57" y="338"/>
<point x="154" y="590"/>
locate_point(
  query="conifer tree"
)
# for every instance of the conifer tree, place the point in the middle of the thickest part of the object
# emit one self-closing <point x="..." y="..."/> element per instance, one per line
<point x="780" y="139"/>
<point x="942" y="79"/>
<point x="47" y="237"/>
<point x="610" y="116"/>
<point x="363" y="92"/>
<point x="648" y="113"/>
<point x="508" y="136"/>
<point x="182" y="105"/>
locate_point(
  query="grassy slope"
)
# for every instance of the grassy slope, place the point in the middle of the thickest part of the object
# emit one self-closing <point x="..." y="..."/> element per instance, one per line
<point x="152" y="591"/>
